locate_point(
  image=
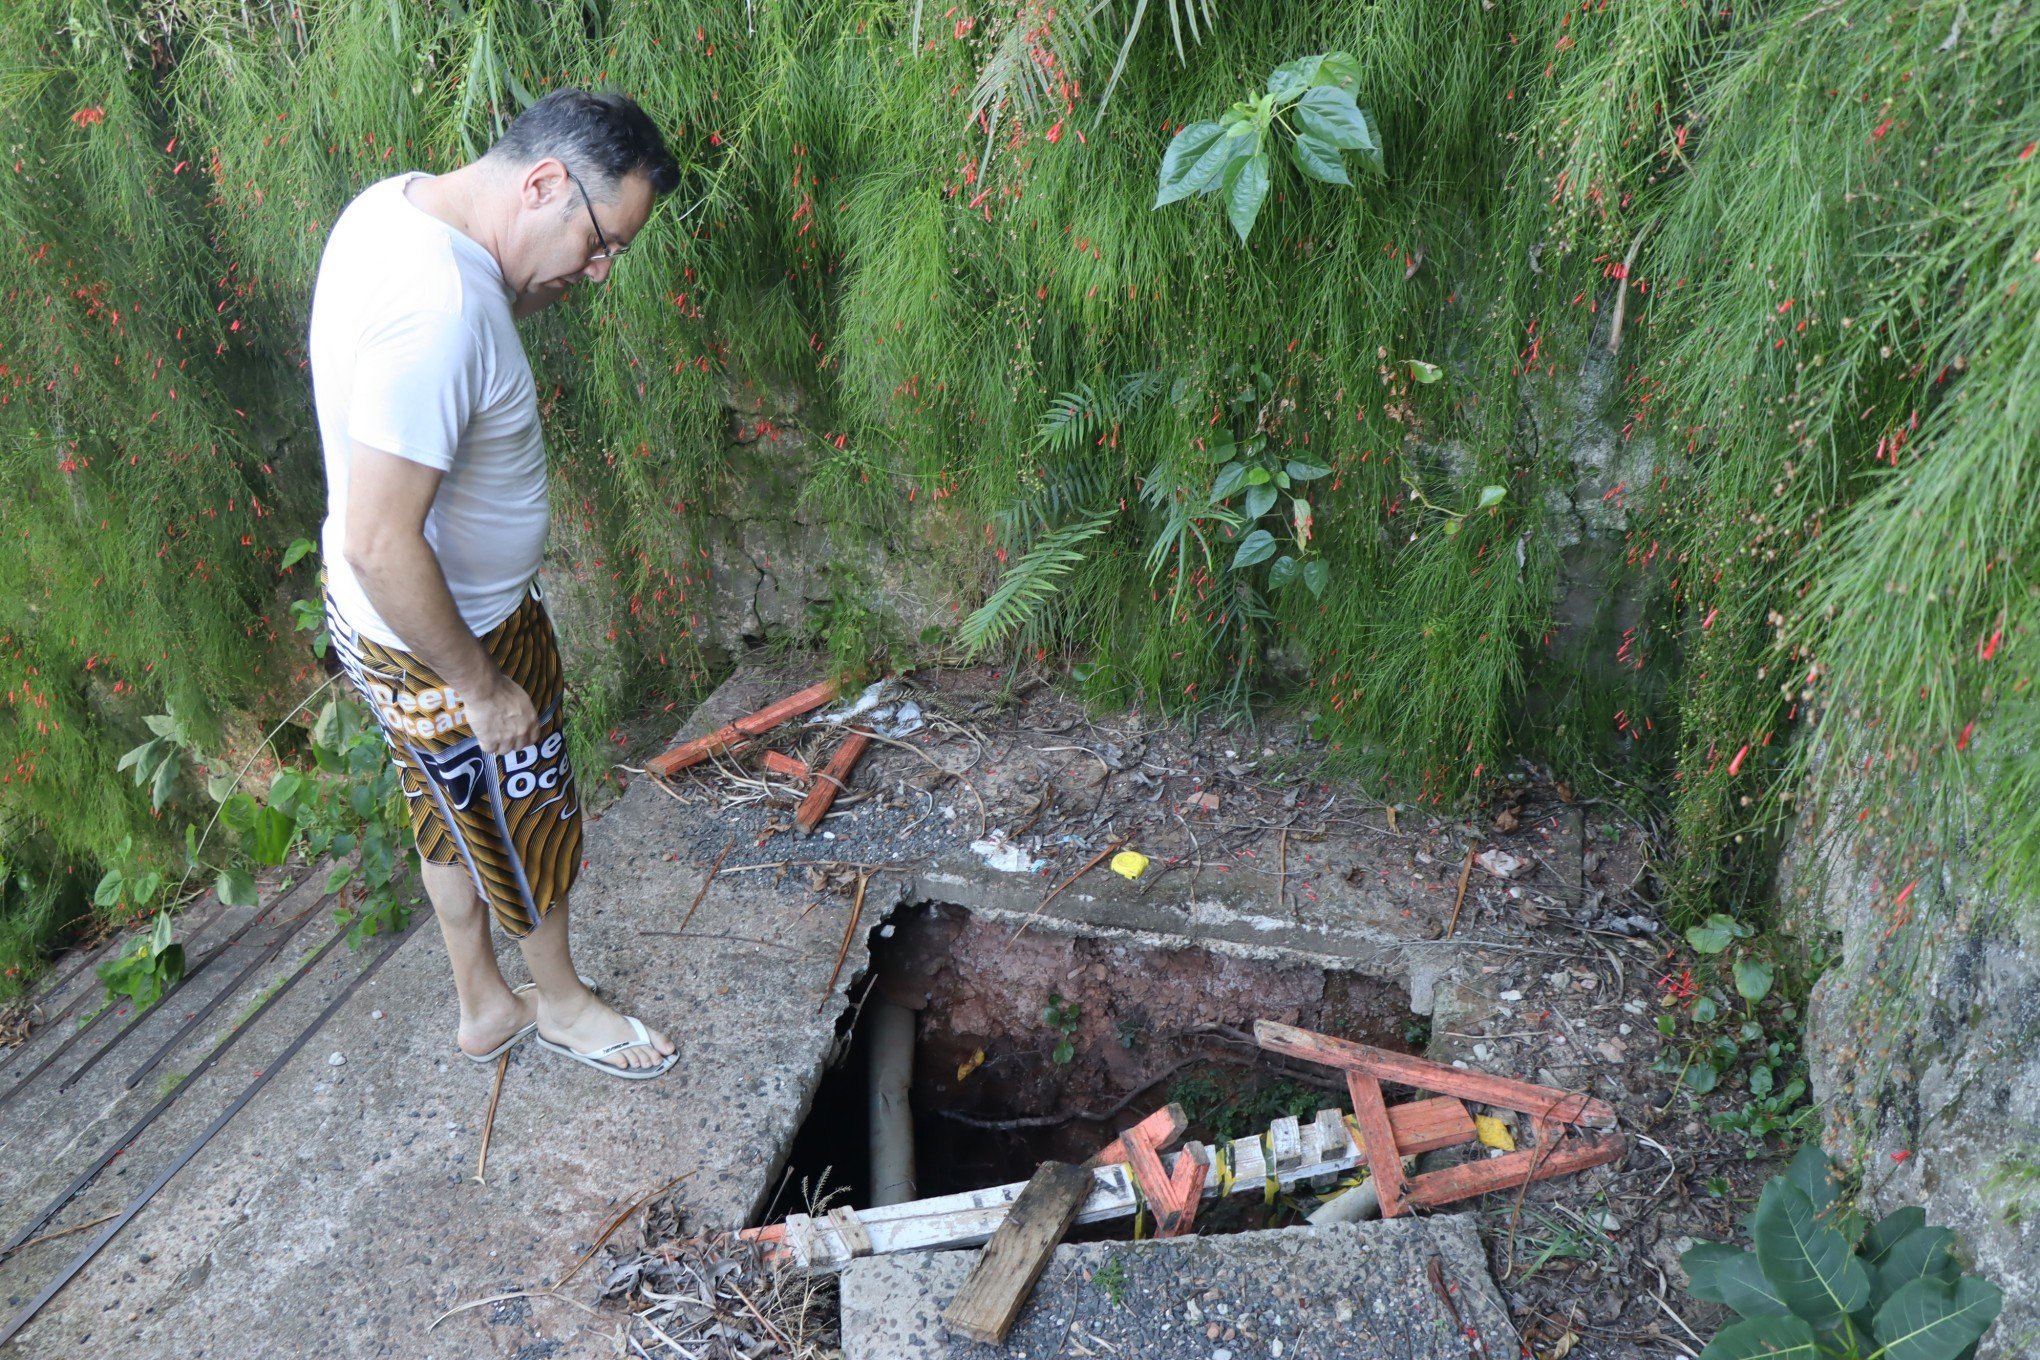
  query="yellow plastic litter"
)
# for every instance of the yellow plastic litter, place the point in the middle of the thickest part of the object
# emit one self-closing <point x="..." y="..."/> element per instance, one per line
<point x="1493" y="1132"/>
<point x="1129" y="864"/>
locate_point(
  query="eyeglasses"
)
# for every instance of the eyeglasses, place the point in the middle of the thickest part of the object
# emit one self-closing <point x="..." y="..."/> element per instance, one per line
<point x="608" y="252"/>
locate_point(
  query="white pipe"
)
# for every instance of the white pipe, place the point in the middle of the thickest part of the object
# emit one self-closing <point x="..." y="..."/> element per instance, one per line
<point x="891" y="1117"/>
<point x="1351" y="1206"/>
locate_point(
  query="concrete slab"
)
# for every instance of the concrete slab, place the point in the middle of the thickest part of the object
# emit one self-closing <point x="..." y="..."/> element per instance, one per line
<point x="337" y="1215"/>
<point x="1350" y="1292"/>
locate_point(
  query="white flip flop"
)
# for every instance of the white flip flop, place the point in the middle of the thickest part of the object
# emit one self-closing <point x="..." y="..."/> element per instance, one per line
<point x="521" y="1035"/>
<point x="597" y="1059"/>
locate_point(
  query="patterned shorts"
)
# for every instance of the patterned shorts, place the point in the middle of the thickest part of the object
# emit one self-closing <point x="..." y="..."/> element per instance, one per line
<point x="514" y="819"/>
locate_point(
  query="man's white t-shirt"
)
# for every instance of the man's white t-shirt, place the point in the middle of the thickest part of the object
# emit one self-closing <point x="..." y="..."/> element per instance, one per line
<point x="414" y="351"/>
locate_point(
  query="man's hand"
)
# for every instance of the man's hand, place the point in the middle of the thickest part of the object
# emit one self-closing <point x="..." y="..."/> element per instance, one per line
<point x="502" y="718"/>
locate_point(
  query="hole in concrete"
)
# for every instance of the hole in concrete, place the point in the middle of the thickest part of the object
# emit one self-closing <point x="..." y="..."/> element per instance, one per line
<point x="1042" y="1049"/>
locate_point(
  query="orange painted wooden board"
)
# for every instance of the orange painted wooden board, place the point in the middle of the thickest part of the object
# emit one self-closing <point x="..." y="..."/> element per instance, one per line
<point x="1377" y="1138"/>
<point x="1430" y="1124"/>
<point x="1513" y="1169"/>
<point x="1158" y="1131"/>
<point x="1525" y="1097"/>
<point x="737" y="734"/>
<point x="1174" y="1199"/>
<point x="815" y="806"/>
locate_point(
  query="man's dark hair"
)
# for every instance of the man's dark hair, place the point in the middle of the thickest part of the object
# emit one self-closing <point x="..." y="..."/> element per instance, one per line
<point x="600" y="137"/>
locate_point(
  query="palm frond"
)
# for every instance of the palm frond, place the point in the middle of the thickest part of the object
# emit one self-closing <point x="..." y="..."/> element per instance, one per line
<point x="1029" y="585"/>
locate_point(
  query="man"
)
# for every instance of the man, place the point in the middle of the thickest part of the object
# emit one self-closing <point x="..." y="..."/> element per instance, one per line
<point x="436" y="520"/>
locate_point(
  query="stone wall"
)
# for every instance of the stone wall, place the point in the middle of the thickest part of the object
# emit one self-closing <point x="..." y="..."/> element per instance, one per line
<point x="1925" y="1053"/>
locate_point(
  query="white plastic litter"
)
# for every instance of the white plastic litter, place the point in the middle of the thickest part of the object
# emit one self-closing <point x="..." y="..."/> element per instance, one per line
<point x="870" y="709"/>
<point x="1001" y="854"/>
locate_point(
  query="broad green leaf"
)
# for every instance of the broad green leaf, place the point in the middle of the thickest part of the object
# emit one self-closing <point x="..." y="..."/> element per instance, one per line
<point x="1259" y="498"/>
<point x="1451" y="528"/>
<point x="1317" y="574"/>
<point x="1258" y="546"/>
<point x="1423" y="372"/>
<point x="1292" y="78"/>
<point x="163" y="725"/>
<point x="1258" y="476"/>
<point x="1340" y="69"/>
<point x="166" y="781"/>
<point x="159" y="933"/>
<point x="1702" y="1263"/>
<point x="1329" y="113"/>
<point x="1491" y="495"/>
<point x="1919" y="1255"/>
<point x="1283" y="572"/>
<point x="238" y="812"/>
<point x="1188" y="163"/>
<point x="1752" y="979"/>
<point x="1814" y="1174"/>
<point x="1319" y="159"/>
<point x="236" y="888"/>
<point x="1249" y="191"/>
<point x="1933" y="1320"/>
<point x="1744" y="1288"/>
<point x="1889" y="1231"/>
<point x="170" y="964"/>
<point x="340" y="876"/>
<point x="1281" y="479"/>
<point x="1229" y="479"/>
<point x="143" y="890"/>
<point x="1766" y="1338"/>
<point x="1705" y="1011"/>
<point x="1760" y="1081"/>
<point x="286" y="789"/>
<point x="1240" y="145"/>
<point x="1305" y="472"/>
<point x="296" y="552"/>
<point x="330" y="729"/>
<point x="107" y="894"/>
<point x="1702" y="1077"/>
<point x="140" y="759"/>
<point x="272" y="835"/>
<point x="1712" y="937"/>
<point x="1809" y="1264"/>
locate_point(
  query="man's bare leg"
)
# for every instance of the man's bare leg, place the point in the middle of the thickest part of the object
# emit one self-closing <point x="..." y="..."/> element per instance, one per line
<point x="489" y="1011"/>
<point x="568" y="1013"/>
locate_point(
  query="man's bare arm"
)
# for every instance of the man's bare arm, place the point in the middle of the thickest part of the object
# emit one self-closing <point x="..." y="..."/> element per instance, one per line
<point x="388" y="499"/>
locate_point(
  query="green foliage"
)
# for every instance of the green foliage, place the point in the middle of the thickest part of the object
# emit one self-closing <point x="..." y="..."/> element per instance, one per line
<point x="1816" y="220"/>
<point x="1822" y="1283"/>
<point x="1309" y="102"/>
<point x="1063" y="1017"/>
<point x="1753" y="1045"/>
<point x="143" y="972"/>
<point x="1111" y="1277"/>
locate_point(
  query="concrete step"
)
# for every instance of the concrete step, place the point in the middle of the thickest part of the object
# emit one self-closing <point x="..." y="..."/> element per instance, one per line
<point x="1348" y="1292"/>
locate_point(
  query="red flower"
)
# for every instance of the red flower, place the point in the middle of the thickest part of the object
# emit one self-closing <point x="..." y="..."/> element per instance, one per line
<point x="1055" y="133"/>
<point x="87" y="117"/>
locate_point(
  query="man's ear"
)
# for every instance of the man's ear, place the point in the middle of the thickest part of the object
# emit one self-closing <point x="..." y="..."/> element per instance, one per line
<point x="544" y="184"/>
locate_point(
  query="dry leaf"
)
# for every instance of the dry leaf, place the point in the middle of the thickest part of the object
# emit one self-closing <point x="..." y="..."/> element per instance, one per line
<point x="970" y="1064"/>
<point x="1493" y="1133"/>
<point x="1506" y="820"/>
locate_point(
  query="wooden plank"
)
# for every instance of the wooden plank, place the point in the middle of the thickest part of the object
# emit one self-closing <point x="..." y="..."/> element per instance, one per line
<point x="985" y="1308"/>
<point x="790" y="766"/>
<point x="843" y="1219"/>
<point x="1430" y="1124"/>
<point x="737" y="735"/>
<point x="1525" y="1097"/>
<point x="815" y="806"/>
<point x="1384" y="1159"/>
<point x="1172" y="1195"/>
<point x="1512" y="1169"/>
<point x="1158" y="1131"/>
<point x="1285" y="1143"/>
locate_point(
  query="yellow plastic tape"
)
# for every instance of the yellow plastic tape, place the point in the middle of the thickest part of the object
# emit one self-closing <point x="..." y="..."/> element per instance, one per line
<point x="1493" y="1132"/>
<point x="1129" y="864"/>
